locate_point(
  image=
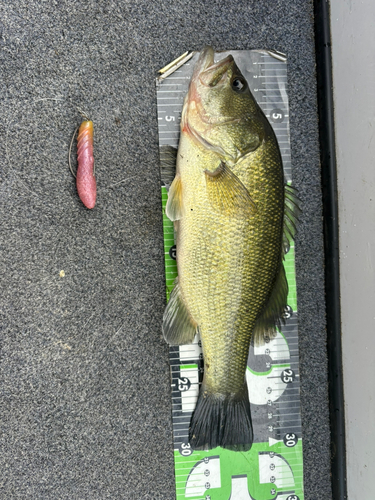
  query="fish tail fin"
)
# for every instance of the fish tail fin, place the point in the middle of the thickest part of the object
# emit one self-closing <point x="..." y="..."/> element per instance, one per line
<point x="221" y="420"/>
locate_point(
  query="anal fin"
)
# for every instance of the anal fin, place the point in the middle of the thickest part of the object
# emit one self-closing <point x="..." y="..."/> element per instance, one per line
<point x="272" y="314"/>
<point x="178" y="326"/>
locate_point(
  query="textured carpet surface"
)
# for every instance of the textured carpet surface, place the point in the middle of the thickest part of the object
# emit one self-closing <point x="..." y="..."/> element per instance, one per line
<point x="85" y="407"/>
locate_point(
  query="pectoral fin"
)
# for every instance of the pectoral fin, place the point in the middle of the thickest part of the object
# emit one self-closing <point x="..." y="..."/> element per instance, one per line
<point x="178" y="326"/>
<point x="226" y="192"/>
<point x="174" y="207"/>
<point x="272" y="315"/>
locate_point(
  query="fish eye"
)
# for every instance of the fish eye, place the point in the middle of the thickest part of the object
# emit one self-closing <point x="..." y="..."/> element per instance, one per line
<point x="239" y="84"/>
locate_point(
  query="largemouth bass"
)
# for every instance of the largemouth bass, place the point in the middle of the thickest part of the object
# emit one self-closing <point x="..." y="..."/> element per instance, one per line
<point x="233" y="218"/>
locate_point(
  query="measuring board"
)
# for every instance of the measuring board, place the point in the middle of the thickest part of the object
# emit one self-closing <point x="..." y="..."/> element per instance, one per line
<point x="273" y="467"/>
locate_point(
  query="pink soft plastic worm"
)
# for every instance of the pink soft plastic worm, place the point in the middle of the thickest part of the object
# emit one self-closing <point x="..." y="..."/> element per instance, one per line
<point x="86" y="182"/>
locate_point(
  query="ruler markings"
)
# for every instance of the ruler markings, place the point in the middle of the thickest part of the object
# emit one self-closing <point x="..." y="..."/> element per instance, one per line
<point x="167" y="105"/>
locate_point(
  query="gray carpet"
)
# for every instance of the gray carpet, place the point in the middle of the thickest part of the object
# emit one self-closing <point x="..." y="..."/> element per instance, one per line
<point x="85" y="392"/>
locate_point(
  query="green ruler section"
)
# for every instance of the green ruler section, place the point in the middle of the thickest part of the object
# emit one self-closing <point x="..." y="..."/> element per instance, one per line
<point x="291" y="277"/>
<point x="169" y="247"/>
<point x="221" y="473"/>
<point x="273" y="468"/>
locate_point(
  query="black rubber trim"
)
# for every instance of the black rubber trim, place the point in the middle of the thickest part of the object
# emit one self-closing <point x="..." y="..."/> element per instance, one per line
<point x="331" y="243"/>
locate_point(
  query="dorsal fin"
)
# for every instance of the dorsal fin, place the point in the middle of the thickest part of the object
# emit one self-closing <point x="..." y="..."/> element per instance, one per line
<point x="272" y="314"/>
<point x="291" y="213"/>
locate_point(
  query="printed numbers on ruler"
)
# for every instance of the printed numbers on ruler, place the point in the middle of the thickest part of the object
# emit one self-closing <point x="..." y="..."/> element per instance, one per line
<point x="185" y="449"/>
<point x="288" y="376"/>
<point x="290" y="440"/>
<point x="172" y="252"/>
<point x="184" y="384"/>
<point x="277" y="115"/>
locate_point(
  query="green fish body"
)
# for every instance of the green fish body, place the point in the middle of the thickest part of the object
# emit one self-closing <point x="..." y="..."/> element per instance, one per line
<point x="228" y="203"/>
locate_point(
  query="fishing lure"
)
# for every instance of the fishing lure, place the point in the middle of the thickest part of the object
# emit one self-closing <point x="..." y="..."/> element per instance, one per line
<point x="85" y="178"/>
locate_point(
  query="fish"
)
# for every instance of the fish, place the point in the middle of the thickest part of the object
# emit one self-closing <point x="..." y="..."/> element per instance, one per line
<point x="234" y="217"/>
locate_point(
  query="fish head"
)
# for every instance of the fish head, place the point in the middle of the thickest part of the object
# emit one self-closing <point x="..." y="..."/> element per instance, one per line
<point x="219" y="110"/>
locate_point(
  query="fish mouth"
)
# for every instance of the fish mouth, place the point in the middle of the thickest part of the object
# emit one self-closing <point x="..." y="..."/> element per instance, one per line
<point x="209" y="73"/>
<point x="216" y="73"/>
<point x="205" y="60"/>
<point x="206" y="74"/>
